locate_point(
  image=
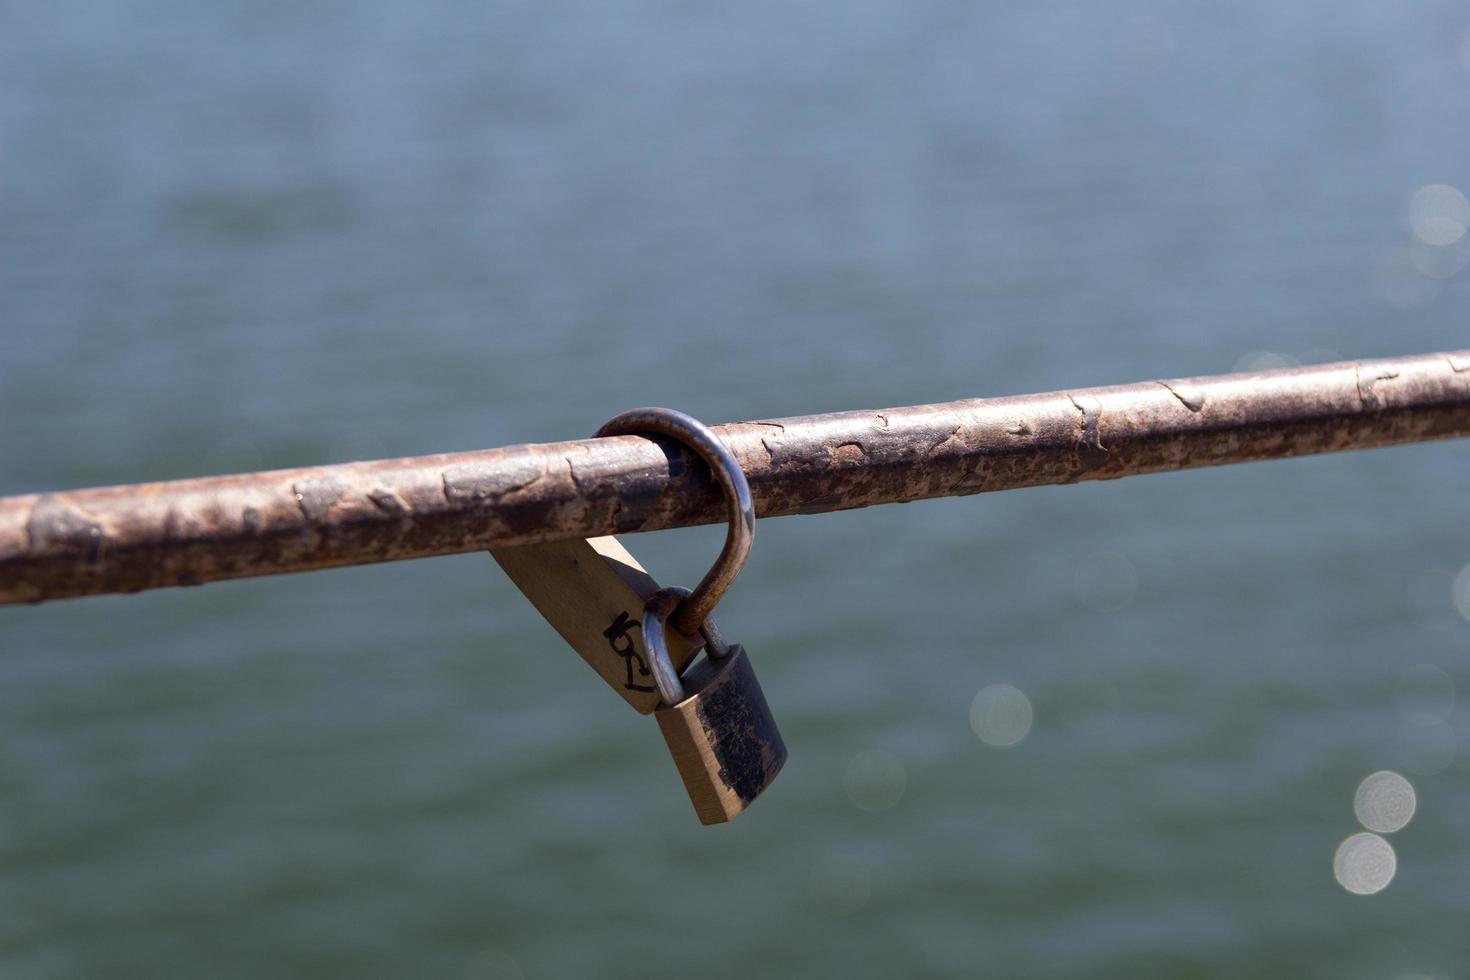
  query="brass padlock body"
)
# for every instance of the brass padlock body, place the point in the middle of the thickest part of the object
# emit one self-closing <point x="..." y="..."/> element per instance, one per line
<point x="722" y="736"/>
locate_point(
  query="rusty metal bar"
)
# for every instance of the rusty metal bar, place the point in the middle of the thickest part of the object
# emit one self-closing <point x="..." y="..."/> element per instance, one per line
<point x="184" y="532"/>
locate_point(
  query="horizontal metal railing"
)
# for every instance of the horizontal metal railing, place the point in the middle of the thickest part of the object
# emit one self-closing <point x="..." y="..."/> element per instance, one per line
<point x="184" y="532"/>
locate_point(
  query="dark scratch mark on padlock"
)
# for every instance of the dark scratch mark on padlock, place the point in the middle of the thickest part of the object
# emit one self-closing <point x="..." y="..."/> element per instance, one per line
<point x="1189" y="396"/>
<point x="619" y="630"/>
<point x="1459" y="365"/>
<point x="741" y="730"/>
<point x="316" y="496"/>
<point x="251" y="520"/>
<point x="1090" y="451"/>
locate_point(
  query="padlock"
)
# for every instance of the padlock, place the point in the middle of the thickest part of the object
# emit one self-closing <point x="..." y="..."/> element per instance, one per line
<point x="714" y="718"/>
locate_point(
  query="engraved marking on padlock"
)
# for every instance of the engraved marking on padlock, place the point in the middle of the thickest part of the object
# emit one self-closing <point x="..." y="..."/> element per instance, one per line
<point x="621" y="627"/>
<point x="714" y="719"/>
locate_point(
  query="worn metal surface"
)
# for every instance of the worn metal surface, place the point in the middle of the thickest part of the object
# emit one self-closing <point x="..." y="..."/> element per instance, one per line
<point x="128" y="538"/>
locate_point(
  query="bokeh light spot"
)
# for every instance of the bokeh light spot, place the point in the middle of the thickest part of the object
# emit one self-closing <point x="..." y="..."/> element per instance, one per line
<point x="1440" y="261"/>
<point x="1364" y="864"/>
<point x="1001" y="716"/>
<point x="1461" y="592"/>
<point x="1385" y="802"/>
<point x="1439" y="214"/>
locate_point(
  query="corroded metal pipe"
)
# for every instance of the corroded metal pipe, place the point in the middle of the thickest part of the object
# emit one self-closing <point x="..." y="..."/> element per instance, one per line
<point x="184" y="532"/>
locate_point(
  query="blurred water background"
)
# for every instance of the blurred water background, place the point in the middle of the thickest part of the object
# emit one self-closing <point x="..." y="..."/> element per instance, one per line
<point x="1105" y="730"/>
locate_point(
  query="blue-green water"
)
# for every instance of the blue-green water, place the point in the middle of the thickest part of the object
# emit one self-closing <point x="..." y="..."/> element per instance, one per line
<point x="236" y="236"/>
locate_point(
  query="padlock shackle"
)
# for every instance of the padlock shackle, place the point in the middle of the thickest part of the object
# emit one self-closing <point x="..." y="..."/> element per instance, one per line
<point x="656" y="611"/>
<point x="690" y="614"/>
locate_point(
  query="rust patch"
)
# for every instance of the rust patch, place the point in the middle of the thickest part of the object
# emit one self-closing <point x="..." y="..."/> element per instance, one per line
<point x="848" y="454"/>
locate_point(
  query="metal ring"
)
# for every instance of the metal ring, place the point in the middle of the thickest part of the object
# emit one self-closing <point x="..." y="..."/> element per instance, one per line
<point x="727" y="472"/>
<point x="655" y="615"/>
